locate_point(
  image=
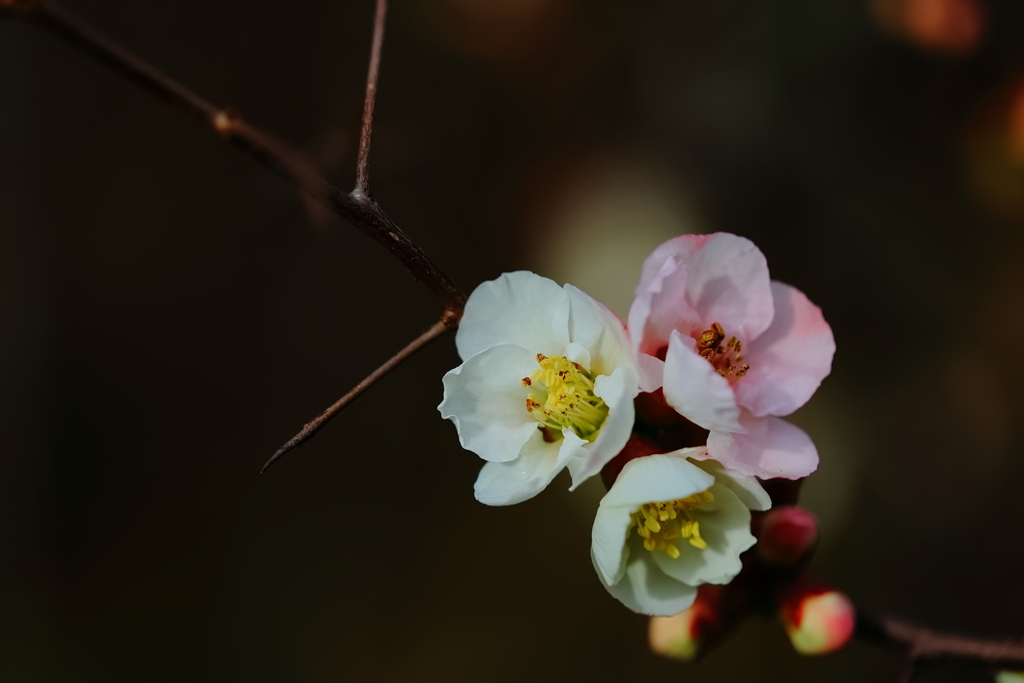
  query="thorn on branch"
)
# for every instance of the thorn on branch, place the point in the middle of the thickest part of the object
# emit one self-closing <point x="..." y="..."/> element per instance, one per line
<point x="314" y="425"/>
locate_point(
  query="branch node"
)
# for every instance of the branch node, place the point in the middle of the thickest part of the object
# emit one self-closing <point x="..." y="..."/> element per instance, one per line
<point x="452" y="316"/>
<point x="225" y="121"/>
<point x="363" y="198"/>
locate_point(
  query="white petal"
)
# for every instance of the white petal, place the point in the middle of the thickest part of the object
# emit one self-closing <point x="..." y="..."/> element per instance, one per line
<point x="595" y="327"/>
<point x="609" y="549"/>
<point x="645" y="589"/>
<point x="725" y="525"/>
<point x="694" y="389"/>
<point x="519" y="308"/>
<point x="486" y="400"/>
<point x="618" y="392"/>
<point x="656" y="478"/>
<point x="508" y="483"/>
<point x="770" y="448"/>
<point x="747" y="488"/>
<point x="578" y="353"/>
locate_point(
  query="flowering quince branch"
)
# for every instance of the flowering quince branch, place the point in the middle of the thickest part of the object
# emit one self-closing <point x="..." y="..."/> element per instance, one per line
<point x="679" y="413"/>
<point x="926" y="647"/>
<point x="357" y="207"/>
<point x="372" y="74"/>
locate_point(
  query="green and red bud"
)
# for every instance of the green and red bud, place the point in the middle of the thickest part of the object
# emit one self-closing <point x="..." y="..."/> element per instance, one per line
<point x="817" y="619"/>
<point x="687" y="635"/>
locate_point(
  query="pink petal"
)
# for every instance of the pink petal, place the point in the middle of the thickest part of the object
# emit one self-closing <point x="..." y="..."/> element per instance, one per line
<point x="676" y="249"/>
<point x="660" y="306"/>
<point x="694" y="389"/>
<point x="651" y="371"/>
<point x="727" y="282"/>
<point x="770" y="448"/>
<point x="788" y="361"/>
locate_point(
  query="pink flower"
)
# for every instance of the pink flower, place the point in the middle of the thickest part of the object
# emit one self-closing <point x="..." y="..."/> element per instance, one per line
<point x="739" y="350"/>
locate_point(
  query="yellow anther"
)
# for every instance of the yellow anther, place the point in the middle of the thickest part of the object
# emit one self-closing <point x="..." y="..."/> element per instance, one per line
<point x="564" y="397"/>
<point x="661" y="524"/>
<point x="727" y="361"/>
<point x="695" y="540"/>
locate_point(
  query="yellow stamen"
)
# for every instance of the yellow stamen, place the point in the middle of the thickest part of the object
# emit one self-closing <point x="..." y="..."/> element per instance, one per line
<point x="661" y="524"/>
<point x="564" y="397"/>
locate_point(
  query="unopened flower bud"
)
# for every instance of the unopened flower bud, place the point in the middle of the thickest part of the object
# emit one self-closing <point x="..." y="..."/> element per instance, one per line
<point x="686" y="635"/>
<point x="818" y="620"/>
<point x="787" y="535"/>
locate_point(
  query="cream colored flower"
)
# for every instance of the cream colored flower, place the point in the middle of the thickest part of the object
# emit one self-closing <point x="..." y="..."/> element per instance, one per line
<point x="668" y="525"/>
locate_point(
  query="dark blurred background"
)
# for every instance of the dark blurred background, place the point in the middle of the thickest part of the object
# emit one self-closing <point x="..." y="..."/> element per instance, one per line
<point x="170" y="313"/>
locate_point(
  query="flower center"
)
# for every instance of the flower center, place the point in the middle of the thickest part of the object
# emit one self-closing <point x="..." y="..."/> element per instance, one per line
<point x="727" y="361"/>
<point x="660" y="524"/>
<point x="563" y="396"/>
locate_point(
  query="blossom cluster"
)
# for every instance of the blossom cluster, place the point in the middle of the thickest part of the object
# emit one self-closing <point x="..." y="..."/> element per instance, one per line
<point x="678" y="409"/>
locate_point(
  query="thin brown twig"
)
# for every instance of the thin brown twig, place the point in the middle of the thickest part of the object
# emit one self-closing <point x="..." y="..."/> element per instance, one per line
<point x="372" y="74"/>
<point x="355" y="207"/>
<point x="311" y="428"/>
<point x="926" y="646"/>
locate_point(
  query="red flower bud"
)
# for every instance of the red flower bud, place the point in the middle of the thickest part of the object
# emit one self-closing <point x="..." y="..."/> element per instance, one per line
<point x="787" y="535"/>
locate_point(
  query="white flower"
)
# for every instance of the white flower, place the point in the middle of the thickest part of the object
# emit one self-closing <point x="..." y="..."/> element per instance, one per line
<point x="668" y="525"/>
<point x="548" y="382"/>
